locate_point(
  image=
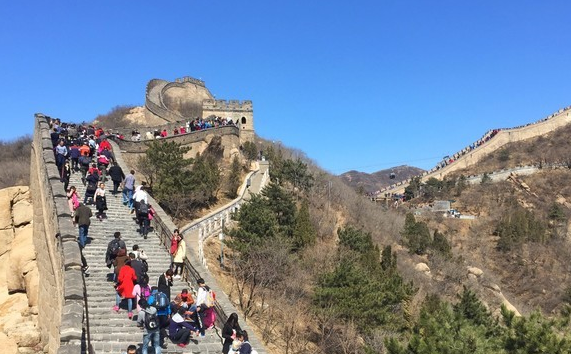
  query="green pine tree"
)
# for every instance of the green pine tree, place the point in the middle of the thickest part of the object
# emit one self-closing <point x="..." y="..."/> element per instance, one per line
<point x="304" y="233"/>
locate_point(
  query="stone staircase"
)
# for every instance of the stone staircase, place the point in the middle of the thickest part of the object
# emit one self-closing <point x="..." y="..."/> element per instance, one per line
<point x="111" y="332"/>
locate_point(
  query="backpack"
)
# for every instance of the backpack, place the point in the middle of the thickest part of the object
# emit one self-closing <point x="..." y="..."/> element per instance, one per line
<point x="210" y="298"/>
<point x="151" y="320"/>
<point x="145" y="292"/>
<point x="145" y="266"/>
<point x="161" y="301"/>
<point x="115" y="247"/>
<point x="84" y="160"/>
<point x="143" y="208"/>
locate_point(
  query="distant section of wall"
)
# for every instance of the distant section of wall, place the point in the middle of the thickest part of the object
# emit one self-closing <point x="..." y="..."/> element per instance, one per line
<point x="61" y="313"/>
<point x="503" y="137"/>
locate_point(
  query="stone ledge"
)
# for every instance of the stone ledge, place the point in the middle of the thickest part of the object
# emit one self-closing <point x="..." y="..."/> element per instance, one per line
<point x="73" y="285"/>
<point x="70" y="348"/>
<point x="71" y="254"/>
<point x="62" y="206"/>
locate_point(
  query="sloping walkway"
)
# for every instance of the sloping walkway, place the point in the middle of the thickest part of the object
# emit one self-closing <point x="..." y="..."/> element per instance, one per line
<point x="112" y="332"/>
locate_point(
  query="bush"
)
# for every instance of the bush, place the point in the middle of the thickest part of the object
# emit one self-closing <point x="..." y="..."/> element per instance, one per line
<point x="15" y="158"/>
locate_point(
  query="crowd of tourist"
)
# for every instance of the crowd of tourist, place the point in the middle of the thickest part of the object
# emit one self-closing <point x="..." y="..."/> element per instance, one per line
<point x="190" y="126"/>
<point x="84" y="149"/>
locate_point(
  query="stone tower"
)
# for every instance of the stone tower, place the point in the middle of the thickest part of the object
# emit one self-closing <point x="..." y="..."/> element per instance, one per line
<point x="239" y="111"/>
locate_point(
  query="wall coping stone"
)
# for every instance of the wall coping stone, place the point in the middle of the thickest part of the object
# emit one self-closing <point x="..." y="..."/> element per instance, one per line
<point x="74" y="289"/>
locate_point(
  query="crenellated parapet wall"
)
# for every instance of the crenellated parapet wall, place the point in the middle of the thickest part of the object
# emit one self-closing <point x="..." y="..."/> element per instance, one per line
<point x="190" y="80"/>
<point x="61" y="313"/>
<point x="184" y="139"/>
<point x="228" y="105"/>
<point x="153" y="102"/>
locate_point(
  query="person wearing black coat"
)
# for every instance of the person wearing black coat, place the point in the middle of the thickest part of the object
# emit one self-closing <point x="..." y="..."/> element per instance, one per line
<point x="117" y="176"/>
<point x="137" y="266"/>
<point x="165" y="283"/>
<point x="231" y="327"/>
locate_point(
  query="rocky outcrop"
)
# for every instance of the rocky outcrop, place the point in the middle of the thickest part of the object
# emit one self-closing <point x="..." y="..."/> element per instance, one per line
<point x="19" y="277"/>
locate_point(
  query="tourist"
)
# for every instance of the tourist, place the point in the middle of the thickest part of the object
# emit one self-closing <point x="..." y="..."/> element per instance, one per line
<point x="149" y="334"/>
<point x="139" y="196"/>
<point x="128" y="186"/>
<point x="74" y="156"/>
<point x="163" y="312"/>
<point x="73" y="201"/>
<point x="61" y="154"/>
<point x="141" y="290"/>
<point x="205" y="306"/>
<point x="117" y="176"/>
<point x="82" y="219"/>
<point x="92" y="179"/>
<point x="245" y="347"/>
<point x="137" y="265"/>
<point x="231" y="328"/>
<point x="125" y="283"/>
<point x="65" y="174"/>
<point x="131" y="349"/>
<point x="113" y="249"/>
<point x="179" y="257"/>
<point x="165" y="283"/>
<point x="179" y="329"/>
<point x="100" y="202"/>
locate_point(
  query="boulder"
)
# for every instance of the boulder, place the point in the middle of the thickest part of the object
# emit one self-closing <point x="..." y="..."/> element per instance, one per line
<point x="422" y="267"/>
<point x="25" y="334"/>
<point x="22" y="213"/>
<point x="6" y="237"/>
<point x="32" y="282"/>
<point x="9" y="345"/>
<point x="510" y="307"/>
<point x="475" y="271"/>
<point x="5" y="209"/>
<point x="21" y="260"/>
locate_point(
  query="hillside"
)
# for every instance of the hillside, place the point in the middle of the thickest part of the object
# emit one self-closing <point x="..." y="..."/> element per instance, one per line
<point x="371" y="182"/>
<point x="521" y="272"/>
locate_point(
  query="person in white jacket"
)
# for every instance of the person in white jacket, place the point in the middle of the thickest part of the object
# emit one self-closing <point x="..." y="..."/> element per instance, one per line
<point x="179" y="257"/>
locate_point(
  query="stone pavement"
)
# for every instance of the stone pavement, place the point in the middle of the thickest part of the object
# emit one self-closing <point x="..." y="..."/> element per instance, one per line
<point x="111" y="332"/>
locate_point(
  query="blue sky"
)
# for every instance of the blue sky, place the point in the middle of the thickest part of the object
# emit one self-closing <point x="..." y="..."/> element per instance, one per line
<point x="361" y="85"/>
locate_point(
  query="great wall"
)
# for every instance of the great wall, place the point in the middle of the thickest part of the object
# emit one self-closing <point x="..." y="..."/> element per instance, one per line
<point x="79" y="318"/>
<point x="504" y="136"/>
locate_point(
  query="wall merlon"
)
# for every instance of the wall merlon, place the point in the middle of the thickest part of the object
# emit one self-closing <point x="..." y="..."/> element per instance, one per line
<point x="72" y="255"/>
<point x="73" y="280"/>
<point x="191" y="80"/>
<point x="227" y="105"/>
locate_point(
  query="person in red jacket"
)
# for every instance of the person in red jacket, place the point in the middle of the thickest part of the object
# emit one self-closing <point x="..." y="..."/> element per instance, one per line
<point x="125" y="284"/>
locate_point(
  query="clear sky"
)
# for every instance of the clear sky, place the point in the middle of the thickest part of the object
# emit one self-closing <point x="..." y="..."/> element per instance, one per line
<point x="361" y="85"/>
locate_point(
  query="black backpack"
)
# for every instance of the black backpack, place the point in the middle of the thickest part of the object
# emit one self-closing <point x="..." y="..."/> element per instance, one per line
<point x="84" y="161"/>
<point x="151" y="319"/>
<point x="143" y="208"/>
<point x="116" y="246"/>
